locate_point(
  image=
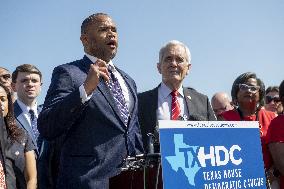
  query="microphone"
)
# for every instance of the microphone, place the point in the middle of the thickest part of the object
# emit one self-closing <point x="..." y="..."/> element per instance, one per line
<point x="150" y="143"/>
<point x="182" y="118"/>
<point x="193" y="117"/>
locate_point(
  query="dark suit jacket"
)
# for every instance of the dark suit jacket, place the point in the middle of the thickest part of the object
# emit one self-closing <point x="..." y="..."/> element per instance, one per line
<point x="197" y="104"/>
<point x="42" y="148"/>
<point x="96" y="139"/>
<point x="23" y="123"/>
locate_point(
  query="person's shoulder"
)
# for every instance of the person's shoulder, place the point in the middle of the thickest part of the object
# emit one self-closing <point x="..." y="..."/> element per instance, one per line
<point x="230" y="115"/>
<point x="193" y="91"/>
<point x="71" y="65"/>
<point x="267" y="113"/>
<point x="71" y="69"/>
<point x="279" y="120"/>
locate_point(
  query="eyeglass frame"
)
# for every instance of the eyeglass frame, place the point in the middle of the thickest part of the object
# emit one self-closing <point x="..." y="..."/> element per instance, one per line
<point x="269" y="99"/>
<point x="250" y="88"/>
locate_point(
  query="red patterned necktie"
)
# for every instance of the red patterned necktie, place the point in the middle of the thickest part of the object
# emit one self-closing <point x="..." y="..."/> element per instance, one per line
<point x="175" y="105"/>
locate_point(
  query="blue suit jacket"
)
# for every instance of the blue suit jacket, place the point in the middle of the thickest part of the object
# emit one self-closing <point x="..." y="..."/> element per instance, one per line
<point x="42" y="151"/>
<point x="23" y="123"/>
<point x="96" y="139"/>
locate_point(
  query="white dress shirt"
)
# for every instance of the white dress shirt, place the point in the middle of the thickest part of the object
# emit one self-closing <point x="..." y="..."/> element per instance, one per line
<point x="129" y="100"/>
<point x="26" y="110"/>
<point x="165" y="102"/>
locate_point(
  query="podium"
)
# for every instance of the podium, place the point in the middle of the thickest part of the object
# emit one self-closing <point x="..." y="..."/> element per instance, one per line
<point x="136" y="179"/>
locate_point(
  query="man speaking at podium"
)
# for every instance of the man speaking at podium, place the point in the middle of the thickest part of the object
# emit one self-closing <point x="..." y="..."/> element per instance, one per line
<point x="171" y="100"/>
<point x="93" y="104"/>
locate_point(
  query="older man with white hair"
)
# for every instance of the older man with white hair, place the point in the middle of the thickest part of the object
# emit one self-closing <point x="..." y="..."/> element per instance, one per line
<point x="170" y="100"/>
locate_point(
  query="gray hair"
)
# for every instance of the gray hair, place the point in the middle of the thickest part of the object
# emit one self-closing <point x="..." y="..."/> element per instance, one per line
<point x="175" y="43"/>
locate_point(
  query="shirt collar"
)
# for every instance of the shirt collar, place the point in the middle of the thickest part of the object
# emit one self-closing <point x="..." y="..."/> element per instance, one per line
<point x="166" y="91"/>
<point x="26" y="108"/>
<point x="94" y="59"/>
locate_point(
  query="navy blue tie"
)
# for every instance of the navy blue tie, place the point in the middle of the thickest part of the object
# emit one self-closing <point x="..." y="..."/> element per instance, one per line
<point x="34" y="125"/>
<point x="116" y="90"/>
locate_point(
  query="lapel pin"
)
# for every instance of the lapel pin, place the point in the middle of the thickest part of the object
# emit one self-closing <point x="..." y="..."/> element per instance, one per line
<point x="189" y="97"/>
<point x="17" y="153"/>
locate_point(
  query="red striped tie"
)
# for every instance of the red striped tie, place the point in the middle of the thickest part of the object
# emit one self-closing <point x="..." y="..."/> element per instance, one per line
<point x="175" y="105"/>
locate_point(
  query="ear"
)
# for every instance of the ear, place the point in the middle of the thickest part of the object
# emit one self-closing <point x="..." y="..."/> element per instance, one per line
<point x="84" y="39"/>
<point x="13" y="85"/>
<point x="159" y="67"/>
<point x="188" y="68"/>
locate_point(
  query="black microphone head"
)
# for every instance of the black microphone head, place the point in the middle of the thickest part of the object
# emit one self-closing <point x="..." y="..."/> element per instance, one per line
<point x="150" y="143"/>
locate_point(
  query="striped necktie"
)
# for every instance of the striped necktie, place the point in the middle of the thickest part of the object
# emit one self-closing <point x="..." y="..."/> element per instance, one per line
<point x="34" y="124"/>
<point x="116" y="90"/>
<point x="175" y="106"/>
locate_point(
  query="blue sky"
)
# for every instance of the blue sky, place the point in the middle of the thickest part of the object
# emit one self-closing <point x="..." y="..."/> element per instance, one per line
<point x="226" y="38"/>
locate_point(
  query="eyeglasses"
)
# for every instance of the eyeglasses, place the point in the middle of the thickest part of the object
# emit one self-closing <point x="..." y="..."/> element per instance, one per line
<point x="250" y="88"/>
<point x="269" y="99"/>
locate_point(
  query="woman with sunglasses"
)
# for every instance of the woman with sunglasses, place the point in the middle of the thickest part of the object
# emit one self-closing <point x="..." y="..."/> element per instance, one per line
<point x="272" y="100"/>
<point x="20" y="163"/>
<point x="275" y="137"/>
<point x="248" y="93"/>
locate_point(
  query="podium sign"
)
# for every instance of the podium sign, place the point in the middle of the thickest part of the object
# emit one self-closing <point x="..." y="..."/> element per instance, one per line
<point x="211" y="155"/>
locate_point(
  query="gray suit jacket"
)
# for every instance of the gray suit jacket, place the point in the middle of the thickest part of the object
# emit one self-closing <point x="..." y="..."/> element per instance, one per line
<point x="197" y="104"/>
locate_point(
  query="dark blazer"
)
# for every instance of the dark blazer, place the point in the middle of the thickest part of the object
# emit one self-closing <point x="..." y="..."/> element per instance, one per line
<point x="197" y="104"/>
<point x="96" y="141"/>
<point x="23" y="123"/>
<point x="41" y="148"/>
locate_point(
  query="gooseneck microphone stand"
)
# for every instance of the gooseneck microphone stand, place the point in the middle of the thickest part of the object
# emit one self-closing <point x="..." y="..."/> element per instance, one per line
<point x="145" y="161"/>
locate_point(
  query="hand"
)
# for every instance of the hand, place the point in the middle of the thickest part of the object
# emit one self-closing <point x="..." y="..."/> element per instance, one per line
<point x="97" y="70"/>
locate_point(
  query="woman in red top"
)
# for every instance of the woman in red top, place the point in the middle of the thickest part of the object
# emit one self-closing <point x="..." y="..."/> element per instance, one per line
<point x="275" y="138"/>
<point x="248" y="93"/>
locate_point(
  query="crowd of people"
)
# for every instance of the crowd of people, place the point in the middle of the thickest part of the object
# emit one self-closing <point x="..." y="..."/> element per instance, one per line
<point x="93" y="118"/>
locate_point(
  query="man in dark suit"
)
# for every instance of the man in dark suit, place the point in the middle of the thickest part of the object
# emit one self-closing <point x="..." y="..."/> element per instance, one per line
<point x="170" y="100"/>
<point x="94" y="105"/>
<point x="27" y="82"/>
<point x="157" y="104"/>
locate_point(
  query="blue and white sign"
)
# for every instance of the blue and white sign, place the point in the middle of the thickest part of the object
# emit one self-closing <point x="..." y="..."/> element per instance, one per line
<point x="211" y="155"/>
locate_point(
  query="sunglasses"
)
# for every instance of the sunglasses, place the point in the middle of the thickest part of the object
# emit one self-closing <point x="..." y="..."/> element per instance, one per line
<point x="251" y="88"/>
<point x="269" y="99"/>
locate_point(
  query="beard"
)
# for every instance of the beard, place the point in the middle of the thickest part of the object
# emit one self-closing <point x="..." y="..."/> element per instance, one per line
<point x="104" y="53"/>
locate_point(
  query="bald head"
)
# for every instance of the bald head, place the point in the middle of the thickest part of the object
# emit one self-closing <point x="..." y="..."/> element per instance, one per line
<point x="5" y="77"/>
<point x="221" y="102"/>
